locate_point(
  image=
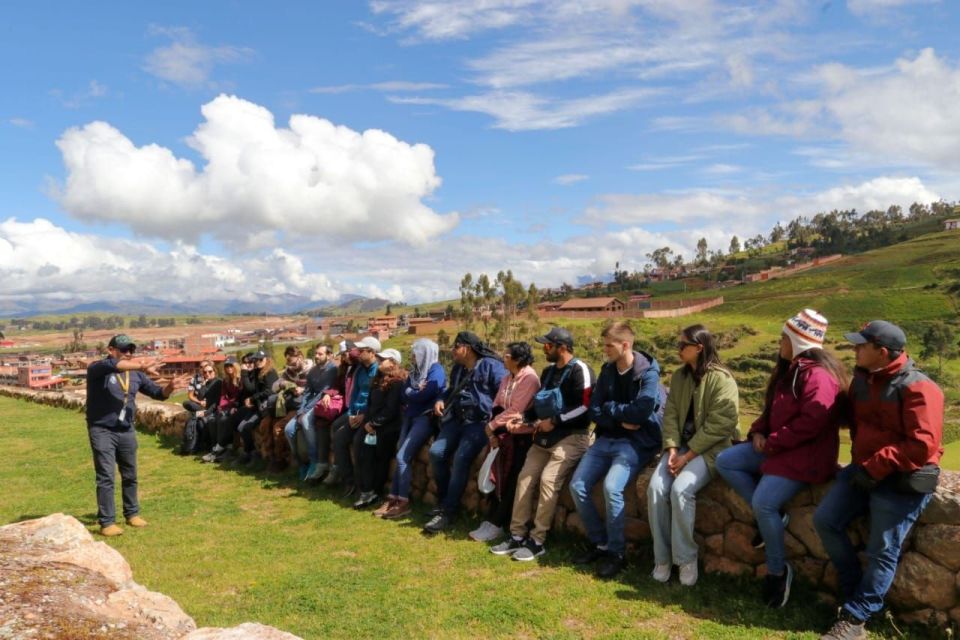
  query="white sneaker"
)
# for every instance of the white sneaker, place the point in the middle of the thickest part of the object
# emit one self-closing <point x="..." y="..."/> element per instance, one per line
<point x="661" y="572"/>
<point x="486" y="532"/>
<point x="689" y="574"/>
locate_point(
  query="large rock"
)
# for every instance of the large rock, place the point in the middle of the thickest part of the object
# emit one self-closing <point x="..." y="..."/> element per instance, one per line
<point x="720" y="564"/>
<point x="737" y="544"/>
<point x="940" y="543"/>
<point x="922" y="583"/>
<point x="801" y="526"/>
<point x="711" y="517"/>
<point x="245" y="631"/>
<point x="944" y="506"/>
<point x="57" y="582"/>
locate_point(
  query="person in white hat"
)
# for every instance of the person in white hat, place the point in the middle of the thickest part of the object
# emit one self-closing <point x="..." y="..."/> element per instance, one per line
<point x="348" y="435"/>
<point x="381" y="427"/>
<point x="794" y="443"/>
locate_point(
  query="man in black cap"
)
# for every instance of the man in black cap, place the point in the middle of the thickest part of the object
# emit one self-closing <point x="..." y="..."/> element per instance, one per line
<point x="896" y="430"/>
<point x="464" y="410"/>
<point x="112" y="387"/>
<point x="560" y="440"/>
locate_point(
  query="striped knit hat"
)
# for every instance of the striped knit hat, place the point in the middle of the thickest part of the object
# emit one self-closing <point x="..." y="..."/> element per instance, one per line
<point x="806" y="331"/>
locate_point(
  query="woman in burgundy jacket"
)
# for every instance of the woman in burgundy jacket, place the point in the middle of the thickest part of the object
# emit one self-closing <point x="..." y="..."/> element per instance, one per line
<point x="794" y="442"/>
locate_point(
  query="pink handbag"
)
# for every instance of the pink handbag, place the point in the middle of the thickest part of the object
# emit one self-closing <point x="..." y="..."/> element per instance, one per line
<point x="333" y="410"/>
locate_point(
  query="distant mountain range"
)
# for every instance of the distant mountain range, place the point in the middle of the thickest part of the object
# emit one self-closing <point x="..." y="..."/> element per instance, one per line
<point x="283" y="304"/>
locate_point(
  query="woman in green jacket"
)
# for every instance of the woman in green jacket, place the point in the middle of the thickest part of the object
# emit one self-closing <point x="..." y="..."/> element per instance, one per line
<point x="699" y="421"/>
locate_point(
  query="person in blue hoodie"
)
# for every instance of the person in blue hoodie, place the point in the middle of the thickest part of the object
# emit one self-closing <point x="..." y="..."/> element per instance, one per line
<point x="422" y="390"/>
<point x="627" y="407"/>
<point x="464" y="410"/>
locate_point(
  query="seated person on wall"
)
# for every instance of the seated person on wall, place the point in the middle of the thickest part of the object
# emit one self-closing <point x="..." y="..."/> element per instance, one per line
<point x="896" y="430"/>
<point x="381" y="427"/>
<point x="464" y="410"/>
<point x="347" y="434"/>
<point x="227" y="416"/>
<point x="199" y="434"/>
<point x="508" y="432"/>
<point x="561" y="438"/>
<point x="627" y="408"/>
<point x="793" y="444"/>
<point x="700" y="421"/>
<point x="260" y="380"/>
<point x="320" y="377"/>
<point x="423" y="387"/>
<point x="294" y="373"/>
<point x="194" y="401"/>
<point x="334" y="403"/>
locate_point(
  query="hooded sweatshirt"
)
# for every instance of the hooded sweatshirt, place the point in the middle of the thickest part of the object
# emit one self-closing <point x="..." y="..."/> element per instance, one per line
<point x="635" y="397"/>
<point x="426" y="382"/>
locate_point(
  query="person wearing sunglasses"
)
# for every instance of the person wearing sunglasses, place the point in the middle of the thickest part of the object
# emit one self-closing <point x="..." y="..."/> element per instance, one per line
<point x="199" y="434"/>
<point x="112" y="386"/>
<point x="700" y="420"/>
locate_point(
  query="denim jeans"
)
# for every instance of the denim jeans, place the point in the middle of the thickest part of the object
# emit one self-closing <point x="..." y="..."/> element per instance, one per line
<point x="451" y="456"/>
<point x="414" y="434"/>
<point x="617" y="462"/>
<point x="766" y="494"/>
<point x="114" y="449"/>
<point x="892" y="515"/>
<point x="306" y="421"/>
<point x="672" y="509"/>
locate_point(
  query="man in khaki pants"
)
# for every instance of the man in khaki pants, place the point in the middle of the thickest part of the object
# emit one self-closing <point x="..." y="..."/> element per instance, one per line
<point x="561" y="438"/>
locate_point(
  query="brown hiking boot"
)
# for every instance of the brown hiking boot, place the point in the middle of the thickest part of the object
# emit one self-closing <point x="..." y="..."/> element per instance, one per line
<point x="110" y="530"/>
<point x="399" y="509"/>
<point x="382" y="509"/>
<point x="136" y="521"/>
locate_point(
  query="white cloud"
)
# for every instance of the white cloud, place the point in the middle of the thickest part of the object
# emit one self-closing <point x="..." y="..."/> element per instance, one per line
<point x="723" y="169"/>
<point x="523" y="111"/>
<point x="435" y="20"/>
<point x="570" y="178"/>
<point x="21" y="123"/>
<point x="309" y="178"/>
<point x="83" y="97"/>
<point x="664" y="162"/>
<point x="391" y="85"/>
<point x="185" y="61"/>
<point x="754" y="208"/>
<point x="867" y="7"/>
<point x="41" y="262"/>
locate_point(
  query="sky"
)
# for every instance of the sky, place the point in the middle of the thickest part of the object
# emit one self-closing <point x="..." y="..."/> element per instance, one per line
<point x="186" y="151"/>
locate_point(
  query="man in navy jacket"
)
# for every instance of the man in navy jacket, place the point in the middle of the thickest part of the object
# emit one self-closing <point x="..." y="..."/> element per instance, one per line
<point x="627" y="407"/>
<point x="112" y="387"/>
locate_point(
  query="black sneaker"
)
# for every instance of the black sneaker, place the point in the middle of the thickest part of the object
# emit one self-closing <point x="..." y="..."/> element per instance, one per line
<point x="758" y="542"/>
<point x="846" y="628"/>
<point x="776" y="589"/>
<point x="611" y="564"/>
<point x="529" y="551"/>
<point x="437" y="524"/>
<point x="507" y="548"/>
<point x="590" y="556"/>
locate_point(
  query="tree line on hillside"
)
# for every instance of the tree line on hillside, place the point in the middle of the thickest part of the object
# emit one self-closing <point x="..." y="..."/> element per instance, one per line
<point x="94" y="322"/>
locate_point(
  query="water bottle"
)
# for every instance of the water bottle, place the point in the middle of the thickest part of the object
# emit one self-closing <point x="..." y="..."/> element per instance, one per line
<point x="370" y="438"/>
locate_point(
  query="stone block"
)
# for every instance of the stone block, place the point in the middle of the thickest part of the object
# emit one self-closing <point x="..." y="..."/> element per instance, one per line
<point x="940" y="543"/>
<point x="714" y="544"/>
<point x="801" y="526"/>
<point x="636" y="530"/>
<point x="922" y="583"/>
<point x="720" y="564"/>
<point x="736" y="544"/>
<point x="711" y="516"/>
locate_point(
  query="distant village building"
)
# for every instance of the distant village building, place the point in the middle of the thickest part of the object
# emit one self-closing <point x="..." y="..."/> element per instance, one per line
<point x="609" y="305"/>
<point x="951" y="225"/>
<point x="32" y="375"/>
<point x="550" y="305"/>
<point x="178" y="365"/>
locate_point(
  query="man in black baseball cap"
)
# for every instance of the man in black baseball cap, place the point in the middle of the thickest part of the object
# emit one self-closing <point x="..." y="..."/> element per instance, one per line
<point x="880" y="333"/>
<point x="122" y="343"/>
<point x="557" y="336"/>
<point x="897" y="442"/>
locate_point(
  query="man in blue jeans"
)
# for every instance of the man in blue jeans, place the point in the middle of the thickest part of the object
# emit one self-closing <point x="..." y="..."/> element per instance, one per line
<point x="627" y="407"/>
<point x="464" y="410"/>
<point x="112" y="387"/>
<point x="896" y="432"/>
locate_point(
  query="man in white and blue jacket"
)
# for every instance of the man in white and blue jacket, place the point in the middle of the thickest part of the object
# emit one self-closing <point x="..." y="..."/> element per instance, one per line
<point x="112" y="387"/>
<point x="464" y="410"/>
<point x="627" y="407"/>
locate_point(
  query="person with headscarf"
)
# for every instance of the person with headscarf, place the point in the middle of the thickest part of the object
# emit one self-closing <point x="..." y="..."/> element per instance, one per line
<point x="464" y="410"/>
<point x="421" y="392"/>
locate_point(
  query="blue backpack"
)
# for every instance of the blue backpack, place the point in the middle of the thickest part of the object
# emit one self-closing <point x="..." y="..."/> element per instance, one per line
<point x="549" y="402"/>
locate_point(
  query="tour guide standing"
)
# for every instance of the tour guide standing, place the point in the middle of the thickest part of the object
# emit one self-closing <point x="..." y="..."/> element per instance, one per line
<point x="897" y="431"/>
<point x="112" y="386"/>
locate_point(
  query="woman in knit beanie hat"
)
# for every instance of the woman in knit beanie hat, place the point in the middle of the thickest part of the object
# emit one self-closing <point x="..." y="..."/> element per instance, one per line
<point x="794" y="443"/>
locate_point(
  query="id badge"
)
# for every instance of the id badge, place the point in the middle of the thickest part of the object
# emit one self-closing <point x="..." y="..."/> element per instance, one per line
<point x="123" y="416"/>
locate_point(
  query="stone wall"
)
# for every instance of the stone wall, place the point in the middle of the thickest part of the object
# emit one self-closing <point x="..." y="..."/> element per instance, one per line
<point x="925" y="589"/>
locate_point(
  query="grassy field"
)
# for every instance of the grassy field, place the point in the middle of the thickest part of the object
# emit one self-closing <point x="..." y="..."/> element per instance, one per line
<point x="232" y="547"/>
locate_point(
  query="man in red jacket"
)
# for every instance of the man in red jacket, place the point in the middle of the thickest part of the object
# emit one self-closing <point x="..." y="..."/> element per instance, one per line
<point x="896" y="429"/>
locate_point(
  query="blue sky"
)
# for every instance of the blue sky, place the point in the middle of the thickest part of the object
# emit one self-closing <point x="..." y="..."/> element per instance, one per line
<point x="387" y="147"/>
